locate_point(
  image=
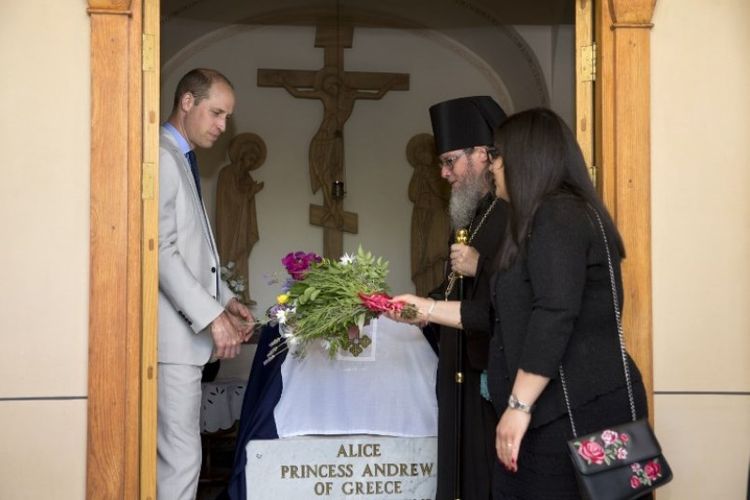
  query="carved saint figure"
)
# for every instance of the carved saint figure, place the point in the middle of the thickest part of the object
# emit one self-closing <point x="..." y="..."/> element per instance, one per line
<point x="430" y="222"/>
<point x="236" y="219"/>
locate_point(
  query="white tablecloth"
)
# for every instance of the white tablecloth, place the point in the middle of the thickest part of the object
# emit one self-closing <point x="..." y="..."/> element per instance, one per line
<point x="221" y="404"/>
<point x="388" y="390"/>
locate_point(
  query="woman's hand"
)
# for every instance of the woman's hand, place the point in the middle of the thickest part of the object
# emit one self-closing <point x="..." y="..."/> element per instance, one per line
<point x="515" y="422"/>
<point x="508" y="436"/>
<point x="420" y="303"/>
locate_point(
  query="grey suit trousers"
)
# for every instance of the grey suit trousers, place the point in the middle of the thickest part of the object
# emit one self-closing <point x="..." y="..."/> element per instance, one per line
<point x="178" y="437"/>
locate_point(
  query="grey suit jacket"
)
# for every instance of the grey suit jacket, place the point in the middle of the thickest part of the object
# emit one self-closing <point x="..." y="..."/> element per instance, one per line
<point x="191" y="295"/>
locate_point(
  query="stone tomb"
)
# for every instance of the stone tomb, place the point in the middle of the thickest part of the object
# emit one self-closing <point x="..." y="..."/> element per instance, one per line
<point x="348" y="466"/>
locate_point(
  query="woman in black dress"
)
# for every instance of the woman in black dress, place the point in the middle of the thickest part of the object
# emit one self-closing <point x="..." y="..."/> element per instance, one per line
<point x="552" y="306"/>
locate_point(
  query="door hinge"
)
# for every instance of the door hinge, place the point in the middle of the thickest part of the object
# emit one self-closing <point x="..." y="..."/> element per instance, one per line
<point x="149" y="54"/>
<point x="593" y="172"/>
<point x="588" y="63"/>
<point x="148" y="180"/>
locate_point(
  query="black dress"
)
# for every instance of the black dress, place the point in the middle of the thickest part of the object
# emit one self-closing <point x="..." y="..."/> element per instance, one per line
<point x="477" y="415"/>
<point x="552" y="306"/>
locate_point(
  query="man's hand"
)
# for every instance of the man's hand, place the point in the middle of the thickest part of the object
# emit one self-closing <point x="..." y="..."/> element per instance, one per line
<point x="241" y="318"/>
<point x="464" y="259"/>
<point x="244" y="328"/>
<point x="226" y="337"/>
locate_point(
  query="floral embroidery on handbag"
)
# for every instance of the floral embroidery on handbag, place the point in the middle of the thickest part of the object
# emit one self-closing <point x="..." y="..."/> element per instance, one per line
<point x="612" y="447"/>
<point x="644" y="476"/>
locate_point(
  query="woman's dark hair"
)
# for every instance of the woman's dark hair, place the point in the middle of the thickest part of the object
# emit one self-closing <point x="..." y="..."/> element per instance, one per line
<point x="541" y="157"/>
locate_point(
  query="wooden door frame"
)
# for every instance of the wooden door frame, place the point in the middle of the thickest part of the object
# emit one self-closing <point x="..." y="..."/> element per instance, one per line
<point x="123" y="288"/>
<point x="623" y="156"/>
<point x="616" y="145"/>
<point x="121" y="448"/>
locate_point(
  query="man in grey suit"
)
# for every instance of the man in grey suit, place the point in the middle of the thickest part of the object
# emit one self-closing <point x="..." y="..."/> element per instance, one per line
<point x="198" y="314"/>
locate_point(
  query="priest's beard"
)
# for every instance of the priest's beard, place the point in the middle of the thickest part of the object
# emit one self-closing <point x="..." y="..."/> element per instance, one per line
<point x="465" y="200"/>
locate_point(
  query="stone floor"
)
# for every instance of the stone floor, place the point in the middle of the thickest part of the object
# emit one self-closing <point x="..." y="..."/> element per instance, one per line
<point x="209" y="491"/>
<point x="218" y="457"/>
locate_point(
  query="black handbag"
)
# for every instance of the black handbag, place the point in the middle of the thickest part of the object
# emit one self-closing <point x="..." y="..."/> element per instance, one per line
<point x="622" y="461"/>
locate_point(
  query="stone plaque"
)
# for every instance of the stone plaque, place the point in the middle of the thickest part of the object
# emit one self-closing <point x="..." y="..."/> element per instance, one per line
<point x="351" y="466"/>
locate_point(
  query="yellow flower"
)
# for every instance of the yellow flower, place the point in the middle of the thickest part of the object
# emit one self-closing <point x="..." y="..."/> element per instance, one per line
<point x="282" y="299"/>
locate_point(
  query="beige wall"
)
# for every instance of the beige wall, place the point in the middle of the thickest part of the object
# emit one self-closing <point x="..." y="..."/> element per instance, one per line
<point x="701" y="243"/>
<point x="44" y="200"/>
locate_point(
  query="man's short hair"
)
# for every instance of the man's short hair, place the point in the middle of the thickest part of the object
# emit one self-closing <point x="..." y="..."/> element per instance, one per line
<point x="198" y="82"/>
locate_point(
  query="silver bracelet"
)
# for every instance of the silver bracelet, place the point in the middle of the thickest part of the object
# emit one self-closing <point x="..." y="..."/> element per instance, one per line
<point x="429" y="311"/>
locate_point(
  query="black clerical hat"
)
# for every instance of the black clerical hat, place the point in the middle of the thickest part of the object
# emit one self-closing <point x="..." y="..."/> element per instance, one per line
<point x="465" y="122"/>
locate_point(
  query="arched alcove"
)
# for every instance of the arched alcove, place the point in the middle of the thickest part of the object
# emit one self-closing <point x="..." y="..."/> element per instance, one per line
<point x="487" y="33"/>
<point x="442" y="64"/>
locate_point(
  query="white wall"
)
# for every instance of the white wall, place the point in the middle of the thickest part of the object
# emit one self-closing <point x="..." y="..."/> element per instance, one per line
<point x="701" y="244"/>
<point x="553" y="48"/>
<point x="44" y="217"/>
<point x="377" y="172"/>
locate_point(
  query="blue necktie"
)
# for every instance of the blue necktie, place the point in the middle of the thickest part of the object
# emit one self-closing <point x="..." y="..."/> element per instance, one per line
<point x="190" y="155"/>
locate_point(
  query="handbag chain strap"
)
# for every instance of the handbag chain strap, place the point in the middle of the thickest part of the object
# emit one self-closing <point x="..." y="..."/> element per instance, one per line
<point x="620" y="334"/>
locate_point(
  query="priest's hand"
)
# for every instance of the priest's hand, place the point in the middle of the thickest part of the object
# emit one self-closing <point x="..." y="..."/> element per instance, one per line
<point x="464" y="259"/>
<point x="226" y="337"/>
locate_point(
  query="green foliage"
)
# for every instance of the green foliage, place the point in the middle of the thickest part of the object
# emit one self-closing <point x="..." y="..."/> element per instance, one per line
<point x="326" y="302"/>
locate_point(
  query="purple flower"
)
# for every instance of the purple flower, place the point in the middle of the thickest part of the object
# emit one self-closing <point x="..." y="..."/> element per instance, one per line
<point x="288" y="284"/>
<point x="296" y="263"/>
<point x="273" y="310"/>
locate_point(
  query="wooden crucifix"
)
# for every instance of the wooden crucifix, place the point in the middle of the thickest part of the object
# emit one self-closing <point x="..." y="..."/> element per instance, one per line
<point x="338" y="90"/>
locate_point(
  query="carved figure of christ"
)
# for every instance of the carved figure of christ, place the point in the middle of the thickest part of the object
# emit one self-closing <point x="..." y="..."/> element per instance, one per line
<point x="337" y="90"/>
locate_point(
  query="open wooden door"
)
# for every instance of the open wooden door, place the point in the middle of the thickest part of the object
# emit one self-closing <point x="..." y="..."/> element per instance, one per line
<point x="621" y="159"/>
<point x="150" y="241"/>
<point x="612" y="128"/>
<point x="585" y="61"/>
<point x="123" y="288"/>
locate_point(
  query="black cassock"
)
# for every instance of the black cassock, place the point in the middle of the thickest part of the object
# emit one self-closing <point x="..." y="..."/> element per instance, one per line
<point x="478" y="418"/>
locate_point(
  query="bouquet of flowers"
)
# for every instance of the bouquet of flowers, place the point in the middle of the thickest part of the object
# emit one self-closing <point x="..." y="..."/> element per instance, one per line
<point x="331" y="301"/>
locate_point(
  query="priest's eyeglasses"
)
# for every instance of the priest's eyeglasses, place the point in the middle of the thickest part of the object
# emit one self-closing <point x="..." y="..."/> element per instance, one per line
<point x="449" y="161"/>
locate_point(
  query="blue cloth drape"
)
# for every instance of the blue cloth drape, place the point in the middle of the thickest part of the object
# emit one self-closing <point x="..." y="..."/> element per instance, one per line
<point x="261" y="396"/>
<point x="256" y="421"/>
